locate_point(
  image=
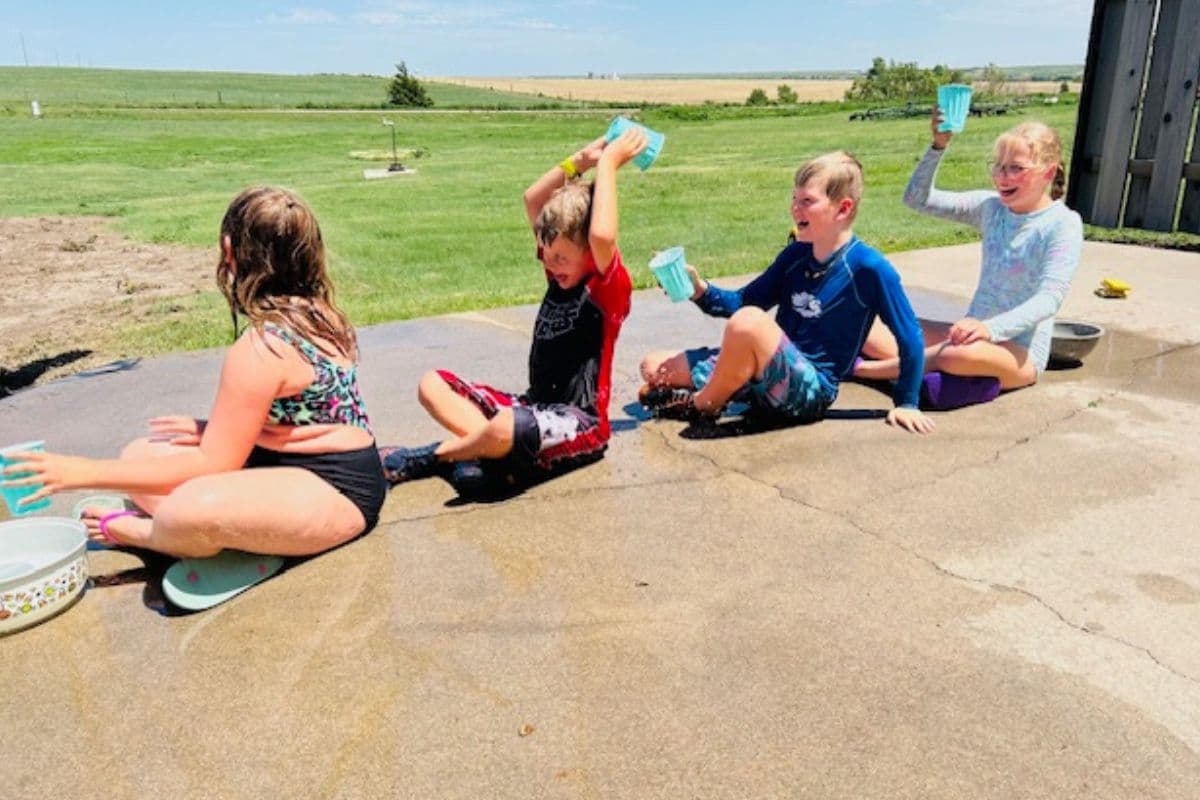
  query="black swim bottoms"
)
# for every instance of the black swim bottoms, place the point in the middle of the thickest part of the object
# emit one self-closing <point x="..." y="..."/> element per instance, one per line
<point x="357" y="474"/>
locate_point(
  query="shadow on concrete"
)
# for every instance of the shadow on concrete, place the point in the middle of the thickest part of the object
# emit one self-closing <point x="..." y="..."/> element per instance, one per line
<point x="27" y="374"/>
<point x="753" y="425"/>
<point x="120" y="365"/>
<point x="154" y="565"/>
<point x="500" y="481"/>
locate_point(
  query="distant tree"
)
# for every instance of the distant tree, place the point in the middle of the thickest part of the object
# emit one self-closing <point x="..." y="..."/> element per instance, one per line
<point x="943" y="74"/>
<point x="405" y="90"/>
<point x="993" y="79"/>
<point x="1064" y="88"/>
<point x="786" y="94"/>
<point x="758" y="98"/>
<point x="889" y="81"/>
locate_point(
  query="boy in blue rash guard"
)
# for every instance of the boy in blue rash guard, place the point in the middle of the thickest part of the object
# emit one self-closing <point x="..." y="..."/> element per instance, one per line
<point x="829" y="286"/>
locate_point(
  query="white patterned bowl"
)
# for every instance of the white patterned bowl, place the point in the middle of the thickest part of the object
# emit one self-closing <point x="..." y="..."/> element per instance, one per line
<point x="43" y="569"/>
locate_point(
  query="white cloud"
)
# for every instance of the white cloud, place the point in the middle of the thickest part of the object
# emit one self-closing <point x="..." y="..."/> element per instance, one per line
<point x="307" y="16"/>
<point x="459" y="16"/>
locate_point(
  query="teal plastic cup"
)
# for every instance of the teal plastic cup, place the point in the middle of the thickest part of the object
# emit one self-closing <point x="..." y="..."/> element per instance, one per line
<point x="653" y="147"/>
<point x="954" y="99"/>
<point x="670" y="269"/>
<point x="14" y="494"/>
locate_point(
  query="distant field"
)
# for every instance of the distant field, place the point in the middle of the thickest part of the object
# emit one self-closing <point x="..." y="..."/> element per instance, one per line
<point x="57" y="88"/>
<point x="657" y="90"/>
<point x="69" y="87"/>
<point x="686" y="90"/>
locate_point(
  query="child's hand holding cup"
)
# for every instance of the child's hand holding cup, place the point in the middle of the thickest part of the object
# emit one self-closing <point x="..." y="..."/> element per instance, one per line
<point x="14" y="494"/>
<point x="653" y="146"/>
<point x="673" y="274"/>
<point x="954" y="101"/>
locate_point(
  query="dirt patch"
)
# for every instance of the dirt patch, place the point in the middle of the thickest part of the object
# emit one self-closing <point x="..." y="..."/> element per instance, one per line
<point x="70" y="283"/>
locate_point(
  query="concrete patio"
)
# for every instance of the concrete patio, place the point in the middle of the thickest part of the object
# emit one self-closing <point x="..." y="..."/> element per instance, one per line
<point x="1007" y="608"/>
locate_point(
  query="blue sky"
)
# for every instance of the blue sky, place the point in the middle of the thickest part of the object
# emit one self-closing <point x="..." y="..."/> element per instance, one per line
<point x="513" y="37"/>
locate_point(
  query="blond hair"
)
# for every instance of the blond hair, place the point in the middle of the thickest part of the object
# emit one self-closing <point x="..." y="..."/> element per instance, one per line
<point x="1045" y="147"/>
<point x="568" y="213"/>
<point x="278" y="273"/>
<point x="842" y="175"/>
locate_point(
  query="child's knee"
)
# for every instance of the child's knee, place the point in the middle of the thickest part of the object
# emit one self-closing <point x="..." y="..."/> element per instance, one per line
<point x="748" y="319"/>
<point x="431" y="382"/>
<point x="192" y="512"/>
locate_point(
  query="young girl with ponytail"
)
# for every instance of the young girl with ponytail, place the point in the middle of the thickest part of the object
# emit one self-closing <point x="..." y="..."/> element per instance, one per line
<point x="1031" y="247"/>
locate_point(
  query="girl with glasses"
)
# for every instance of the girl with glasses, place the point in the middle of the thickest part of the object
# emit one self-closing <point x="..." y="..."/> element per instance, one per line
<point x="1031" y="247"/>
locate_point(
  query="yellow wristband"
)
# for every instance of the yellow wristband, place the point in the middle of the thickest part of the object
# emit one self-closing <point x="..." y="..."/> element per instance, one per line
<point x="568" y="168"/>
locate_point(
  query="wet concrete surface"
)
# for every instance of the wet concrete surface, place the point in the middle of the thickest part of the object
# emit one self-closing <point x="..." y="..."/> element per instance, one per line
<point x="1004" y="609"/>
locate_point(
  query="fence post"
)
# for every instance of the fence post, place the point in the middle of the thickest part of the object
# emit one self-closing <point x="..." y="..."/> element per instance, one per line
<point x="1189" y="212"/>
<point x="1178" y="46"/>
<point x="1108" y="110"/>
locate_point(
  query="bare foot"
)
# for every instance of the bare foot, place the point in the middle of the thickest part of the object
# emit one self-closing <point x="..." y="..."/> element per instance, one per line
<point x="123" y="528"/>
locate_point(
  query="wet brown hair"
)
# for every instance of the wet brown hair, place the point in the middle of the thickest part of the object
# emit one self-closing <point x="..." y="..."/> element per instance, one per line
<point x="278" y="273"/>
<point x="841" y="172"/>
<point x="568" y="213"/>
<point x="1045" y="147"/>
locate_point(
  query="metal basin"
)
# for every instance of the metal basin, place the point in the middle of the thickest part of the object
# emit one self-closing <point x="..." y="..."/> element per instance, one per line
<point x="1073" y="340"/>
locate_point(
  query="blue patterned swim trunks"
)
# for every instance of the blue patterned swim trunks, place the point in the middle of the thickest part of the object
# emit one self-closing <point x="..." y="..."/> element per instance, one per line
<point x="790" y="385"/>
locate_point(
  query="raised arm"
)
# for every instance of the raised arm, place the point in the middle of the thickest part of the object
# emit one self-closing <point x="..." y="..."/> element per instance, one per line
<point x="602" y="235"/>
<point x="577" y="163"/>
<point x="921" y="195"/>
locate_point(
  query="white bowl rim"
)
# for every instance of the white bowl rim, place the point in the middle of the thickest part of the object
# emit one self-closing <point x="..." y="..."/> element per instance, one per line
<point x="1098" y="330"/>
<point x="77" y="550"/>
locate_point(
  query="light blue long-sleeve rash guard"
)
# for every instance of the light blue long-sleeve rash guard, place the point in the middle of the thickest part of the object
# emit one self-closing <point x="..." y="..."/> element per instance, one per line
<point x="1028" y="259"/>
<point x="826" y="309"/>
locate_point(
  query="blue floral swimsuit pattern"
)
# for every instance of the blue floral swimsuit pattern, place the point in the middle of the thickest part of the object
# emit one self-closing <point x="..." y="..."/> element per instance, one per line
<point x="333" y="398"/>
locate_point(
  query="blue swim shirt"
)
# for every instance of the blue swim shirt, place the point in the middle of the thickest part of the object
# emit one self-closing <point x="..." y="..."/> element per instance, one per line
<point x="827" y="309"/>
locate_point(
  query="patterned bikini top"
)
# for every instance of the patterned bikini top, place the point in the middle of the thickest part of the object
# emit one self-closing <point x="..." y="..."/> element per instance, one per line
<point x="332" y="399"/>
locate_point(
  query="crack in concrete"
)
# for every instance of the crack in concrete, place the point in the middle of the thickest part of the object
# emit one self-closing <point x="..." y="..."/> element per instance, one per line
<point x="1050" y="424"/>
<point x="1003" y="587"/>
<point x="845" y="517"/>
<point x="785" y="495"/>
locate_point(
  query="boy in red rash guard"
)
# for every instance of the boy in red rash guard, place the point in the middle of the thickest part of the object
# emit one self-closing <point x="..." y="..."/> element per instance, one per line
<point x="561" y="420"/>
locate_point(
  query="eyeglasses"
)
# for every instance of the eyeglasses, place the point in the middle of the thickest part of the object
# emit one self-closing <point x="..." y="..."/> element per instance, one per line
<point x="1010" y="170"/>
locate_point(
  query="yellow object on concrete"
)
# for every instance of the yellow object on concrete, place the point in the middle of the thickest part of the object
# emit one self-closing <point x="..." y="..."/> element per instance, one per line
<point x="1113" y="287"/>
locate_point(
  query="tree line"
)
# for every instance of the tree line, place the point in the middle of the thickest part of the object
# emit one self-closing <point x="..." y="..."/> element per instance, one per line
<point x="889" y="81"/>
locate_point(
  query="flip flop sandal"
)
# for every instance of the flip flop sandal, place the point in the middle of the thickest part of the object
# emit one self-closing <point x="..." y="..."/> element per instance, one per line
<point x="112" y="503"/>
<point x="109" y="539"/>
<point x="195" y="584"/>
<point x="106" y="502"/>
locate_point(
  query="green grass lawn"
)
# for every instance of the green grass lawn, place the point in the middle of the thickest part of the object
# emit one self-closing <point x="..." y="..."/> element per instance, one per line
<point x="454" y="235"/>
<point x="68" y="88"/>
